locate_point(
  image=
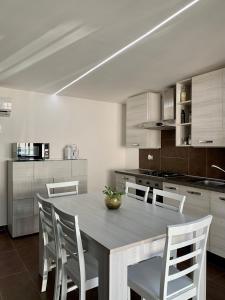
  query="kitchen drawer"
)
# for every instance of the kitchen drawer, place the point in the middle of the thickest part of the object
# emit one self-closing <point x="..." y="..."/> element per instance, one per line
<point x="197" y="202"/>
<point x="23" y="208"/>
<point x="172" y="188"/>
<point x="23" y="226"/>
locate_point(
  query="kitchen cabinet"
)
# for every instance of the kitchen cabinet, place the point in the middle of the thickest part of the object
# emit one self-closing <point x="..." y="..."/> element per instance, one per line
<point x="217" y="230"/>
<point x="121" y="180"/>
<point x="139" y="109"/>
<point x="208" y="109"/>
<point x="25" y="179"/>
<point x="172" y="188"/>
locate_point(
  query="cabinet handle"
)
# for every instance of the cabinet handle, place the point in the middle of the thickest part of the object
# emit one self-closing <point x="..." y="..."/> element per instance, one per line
<point x="205" y="142"/>
<point x="222" y="198"/>
<point x="171" y="188"/>
<point x="135" y="145"/>
<point x="194" y="193"/>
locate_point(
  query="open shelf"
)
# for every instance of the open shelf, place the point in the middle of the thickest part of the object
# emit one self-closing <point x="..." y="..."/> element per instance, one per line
<point x="183" y="113"/>
<point x="188" y="102"/>
<point x="184" y="124"/>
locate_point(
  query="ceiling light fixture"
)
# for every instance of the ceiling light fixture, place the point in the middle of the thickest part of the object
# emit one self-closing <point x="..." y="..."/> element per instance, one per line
<point x="120" y="51"/>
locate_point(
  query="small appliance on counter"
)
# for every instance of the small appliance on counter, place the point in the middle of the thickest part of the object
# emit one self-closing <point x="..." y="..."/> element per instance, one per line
<point x="30" y="151"/>
<point x="71" y="152"/>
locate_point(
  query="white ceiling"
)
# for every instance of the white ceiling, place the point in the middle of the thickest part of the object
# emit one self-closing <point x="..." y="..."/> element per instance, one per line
<point x="46" y="44"/>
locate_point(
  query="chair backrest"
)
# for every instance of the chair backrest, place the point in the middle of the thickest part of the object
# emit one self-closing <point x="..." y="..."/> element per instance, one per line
<point x="194" y="236"/>
<point x="52" y="187"/>
<point x="46" y="219"/>
<point x="136" y="187"/>
<point x="70" y="243"/>
<point x="180" y="199"/>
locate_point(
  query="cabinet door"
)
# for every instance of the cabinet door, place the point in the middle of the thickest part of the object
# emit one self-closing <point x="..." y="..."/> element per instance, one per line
<point x="22" y="180"/>
<point x="50" y="169"/>
<point x="79" y="167"/>
<point x="23" y="226"/>
<point x="139" y="109"/>
<point x="217" y="230"/>
<point x="207" y="110"/>
<point x="172" y="188"/>
<point x="197" y="202"/>
<point x="23" y="208"/>
<point x="121" y="180"/>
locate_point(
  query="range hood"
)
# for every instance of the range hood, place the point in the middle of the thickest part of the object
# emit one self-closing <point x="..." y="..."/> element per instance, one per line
<point x="159" y="125"/>
<point x="168" y="112"/>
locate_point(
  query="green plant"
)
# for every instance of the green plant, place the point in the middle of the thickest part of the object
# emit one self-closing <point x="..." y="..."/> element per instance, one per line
<point x="111" y="193"/>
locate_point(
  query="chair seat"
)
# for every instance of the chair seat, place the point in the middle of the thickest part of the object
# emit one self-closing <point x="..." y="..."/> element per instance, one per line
<point x="91" y="269"/>
<point x="144" y="278"/>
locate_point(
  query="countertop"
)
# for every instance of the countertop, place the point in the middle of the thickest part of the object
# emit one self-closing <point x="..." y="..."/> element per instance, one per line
<point x="186" y="180"/>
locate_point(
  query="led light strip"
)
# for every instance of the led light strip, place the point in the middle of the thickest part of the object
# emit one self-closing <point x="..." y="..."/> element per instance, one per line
<point x="120" y="51"/>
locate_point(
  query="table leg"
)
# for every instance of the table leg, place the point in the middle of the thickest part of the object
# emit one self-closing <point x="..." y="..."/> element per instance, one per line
<point x="112" y="276"/>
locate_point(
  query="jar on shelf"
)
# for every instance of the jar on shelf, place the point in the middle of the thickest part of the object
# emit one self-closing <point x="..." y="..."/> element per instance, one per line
<point x="183" y="94"/>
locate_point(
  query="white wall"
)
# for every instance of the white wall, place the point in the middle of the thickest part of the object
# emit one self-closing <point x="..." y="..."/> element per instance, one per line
<point x="95" y="126"/>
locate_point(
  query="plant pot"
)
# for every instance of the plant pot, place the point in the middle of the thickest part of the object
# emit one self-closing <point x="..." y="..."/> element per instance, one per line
<point x="113" y="203"/>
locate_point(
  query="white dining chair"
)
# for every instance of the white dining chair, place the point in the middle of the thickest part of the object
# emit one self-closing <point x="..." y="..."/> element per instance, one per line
<point x="77" y="265"/>
<point x="52" y="188"/>
<point x="178" y="199"/>
<point x="159" y="278"/>
<point x="51" y="254"/>
<point x="130" y="187"/>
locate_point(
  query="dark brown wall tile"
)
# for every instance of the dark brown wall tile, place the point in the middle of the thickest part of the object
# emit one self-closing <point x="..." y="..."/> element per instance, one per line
<point x="215" y="156"/>
<point x="144" y="163"/>
<point x="197" y="162"/>
<point x="175" y="164"/>
<point x="188" y="160"/>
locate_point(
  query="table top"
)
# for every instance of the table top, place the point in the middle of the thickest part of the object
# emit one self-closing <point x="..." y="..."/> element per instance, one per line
<point x="134" y="222"/>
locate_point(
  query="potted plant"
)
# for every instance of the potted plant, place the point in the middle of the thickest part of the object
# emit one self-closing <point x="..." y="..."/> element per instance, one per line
<point x="112" y="197"/>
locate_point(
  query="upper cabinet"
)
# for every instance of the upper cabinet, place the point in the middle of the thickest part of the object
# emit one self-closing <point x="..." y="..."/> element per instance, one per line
<point x="142" y="108"/>
<point x="208" y="106"/>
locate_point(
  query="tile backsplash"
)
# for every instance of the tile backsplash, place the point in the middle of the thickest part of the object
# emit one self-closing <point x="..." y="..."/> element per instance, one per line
<point x="187" y="160"/>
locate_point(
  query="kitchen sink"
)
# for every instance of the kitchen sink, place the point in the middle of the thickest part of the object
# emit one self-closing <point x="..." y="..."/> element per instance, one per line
<point x="211" y="183"/>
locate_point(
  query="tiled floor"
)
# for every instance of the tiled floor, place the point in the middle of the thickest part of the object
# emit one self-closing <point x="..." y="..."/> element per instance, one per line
<point x="19" y="277"/>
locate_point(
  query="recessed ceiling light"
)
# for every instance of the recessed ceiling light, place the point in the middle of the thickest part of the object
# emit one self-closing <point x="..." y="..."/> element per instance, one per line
<point x="120" y="51"/>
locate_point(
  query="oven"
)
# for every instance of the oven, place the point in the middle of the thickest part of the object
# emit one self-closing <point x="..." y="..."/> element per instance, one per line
<point x="30" y="151"/>
<point x="152" y="184"/>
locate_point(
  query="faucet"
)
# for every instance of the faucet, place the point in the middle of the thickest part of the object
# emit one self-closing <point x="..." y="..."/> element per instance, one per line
<point x="215" y="166"/>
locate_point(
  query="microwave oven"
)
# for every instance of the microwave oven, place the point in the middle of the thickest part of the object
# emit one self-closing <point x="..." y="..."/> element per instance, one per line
<point x="30" y="151"/>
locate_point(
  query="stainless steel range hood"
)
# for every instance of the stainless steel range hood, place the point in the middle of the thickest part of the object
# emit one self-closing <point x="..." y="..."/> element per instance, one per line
<point x="168" y="112"/>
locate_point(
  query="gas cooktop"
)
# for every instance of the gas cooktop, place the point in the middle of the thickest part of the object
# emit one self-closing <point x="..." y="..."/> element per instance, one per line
<point x="160" y="173"/>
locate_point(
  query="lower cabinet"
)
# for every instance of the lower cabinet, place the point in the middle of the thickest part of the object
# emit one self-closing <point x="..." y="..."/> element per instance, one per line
<point x="25" y="179"/>
<point x="197" y="202"/>
<point x="217" y="231"/>
<point x="201" y="202"/>
<point x="121" y="180"/>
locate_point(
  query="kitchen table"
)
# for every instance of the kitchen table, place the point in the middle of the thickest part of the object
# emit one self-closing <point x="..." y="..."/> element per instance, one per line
<point x="119" y="238"/>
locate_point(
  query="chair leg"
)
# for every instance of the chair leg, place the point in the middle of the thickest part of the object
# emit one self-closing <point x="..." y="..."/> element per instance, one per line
<point x="64" y="284"/>
<point x="45" y="272"/>
<point x="58" y="279"/>
<point x="128" y="294"/>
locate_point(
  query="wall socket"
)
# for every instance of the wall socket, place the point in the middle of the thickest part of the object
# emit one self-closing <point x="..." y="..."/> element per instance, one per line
<point x="150" y="157"/>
